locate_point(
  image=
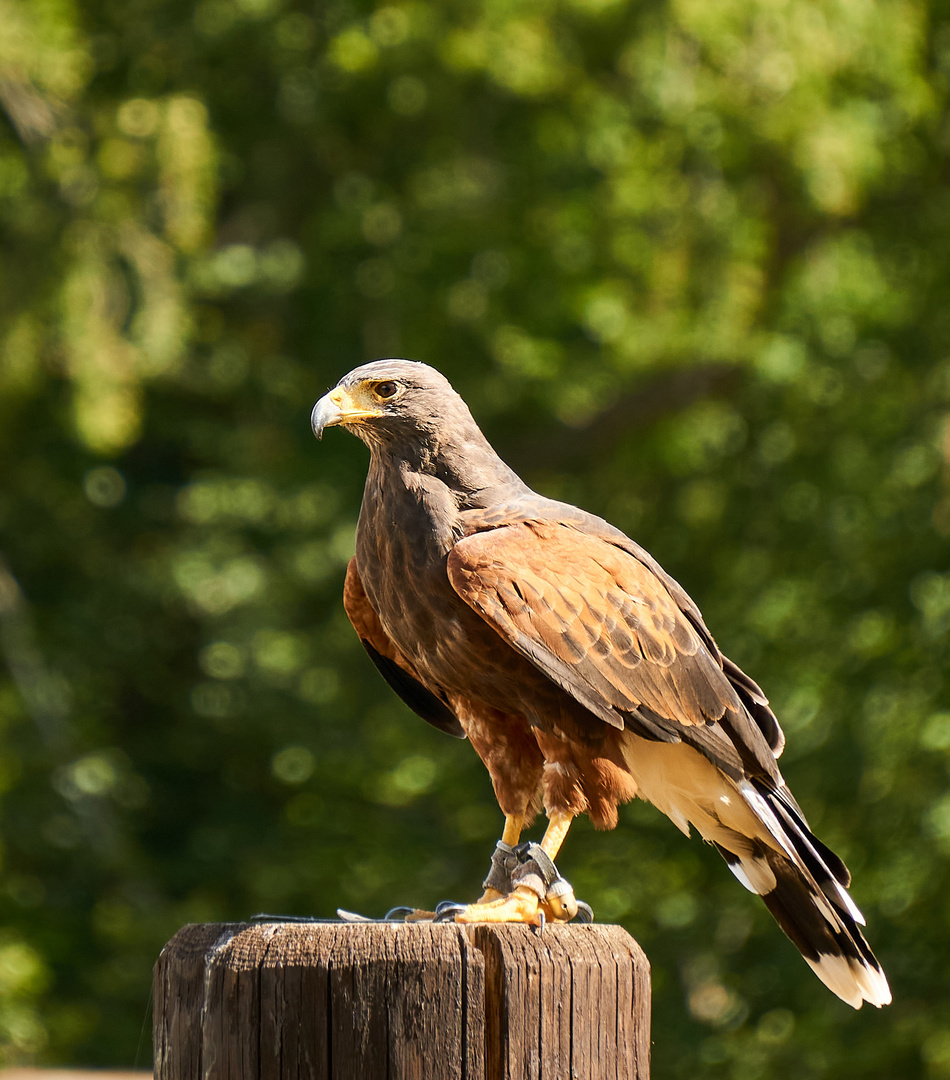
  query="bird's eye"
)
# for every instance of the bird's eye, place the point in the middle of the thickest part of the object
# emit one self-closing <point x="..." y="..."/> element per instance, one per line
<point x="385" y="390"/>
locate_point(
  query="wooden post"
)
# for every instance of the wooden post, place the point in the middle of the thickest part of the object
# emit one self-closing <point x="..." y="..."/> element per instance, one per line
<point x="396" y="1001"/>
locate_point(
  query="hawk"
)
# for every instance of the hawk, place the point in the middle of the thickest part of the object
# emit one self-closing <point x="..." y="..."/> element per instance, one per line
<point x="582" y="674"/>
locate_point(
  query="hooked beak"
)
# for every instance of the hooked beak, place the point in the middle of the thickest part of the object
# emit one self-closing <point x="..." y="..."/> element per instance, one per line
<point x="341" y="406"/>
<point x="325" y="414"/>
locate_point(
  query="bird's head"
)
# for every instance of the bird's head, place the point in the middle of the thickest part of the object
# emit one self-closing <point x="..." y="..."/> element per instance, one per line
<point x="408" y="412"/>
<point x="390" y="401"/>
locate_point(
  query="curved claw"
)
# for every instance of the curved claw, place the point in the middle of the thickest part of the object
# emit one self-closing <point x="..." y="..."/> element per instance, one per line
<point x="585" y="913"/>
<point x="443" y="904"/>
<point x="447" y="910"/>
<point x="351" y="916"/>
<point x="398" y="913"/>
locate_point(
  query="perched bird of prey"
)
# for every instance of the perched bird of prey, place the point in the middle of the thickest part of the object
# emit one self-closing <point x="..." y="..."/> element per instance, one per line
<point x="580" y="671"/>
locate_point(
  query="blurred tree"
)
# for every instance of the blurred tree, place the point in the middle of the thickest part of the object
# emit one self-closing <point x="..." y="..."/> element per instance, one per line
<point x="687" y="263"/>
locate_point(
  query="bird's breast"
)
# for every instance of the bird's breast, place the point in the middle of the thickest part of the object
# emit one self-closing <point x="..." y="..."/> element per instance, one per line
<point x="403" y="540"/>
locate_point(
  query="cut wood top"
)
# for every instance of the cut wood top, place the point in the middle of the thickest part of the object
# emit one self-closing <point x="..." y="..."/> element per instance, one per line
<point x="401" y="1000"/>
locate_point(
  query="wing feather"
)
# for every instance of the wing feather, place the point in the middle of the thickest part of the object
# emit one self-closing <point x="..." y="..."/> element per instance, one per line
<point x="605" y="627"/>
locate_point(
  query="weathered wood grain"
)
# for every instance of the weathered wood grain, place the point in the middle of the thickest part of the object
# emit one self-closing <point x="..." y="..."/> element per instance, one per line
<point x="179" y="1001"/>
<point x="339" y="1001"/>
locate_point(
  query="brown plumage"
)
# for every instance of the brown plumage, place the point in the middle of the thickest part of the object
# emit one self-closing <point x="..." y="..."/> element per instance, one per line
<point x="579" y="670"/>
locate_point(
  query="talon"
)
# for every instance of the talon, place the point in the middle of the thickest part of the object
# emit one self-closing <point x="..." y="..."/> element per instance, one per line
<point x="523" y="884"/>
<point x="585" y="913"/>
<point x="448" y="912"/>
<point x="443" y="905"/>
<point x="351" y="916"/>
<point x="399" y="914"/>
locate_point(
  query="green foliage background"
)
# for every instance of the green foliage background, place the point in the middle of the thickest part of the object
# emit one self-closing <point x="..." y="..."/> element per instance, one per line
<point x="687" y="261"/>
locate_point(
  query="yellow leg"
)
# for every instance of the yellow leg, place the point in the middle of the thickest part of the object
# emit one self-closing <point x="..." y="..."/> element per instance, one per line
<point x="514" y="823"/>
<point x="554" y="834"/>
<point x="560" y="908"/>
<point x="523" y="904"/>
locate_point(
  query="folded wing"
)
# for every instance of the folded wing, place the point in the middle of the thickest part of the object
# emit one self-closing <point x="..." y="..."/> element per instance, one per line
<point x="604" y="627"/>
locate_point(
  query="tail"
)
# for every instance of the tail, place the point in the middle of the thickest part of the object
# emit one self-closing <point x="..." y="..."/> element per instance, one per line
<point x="804" y="885"/>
